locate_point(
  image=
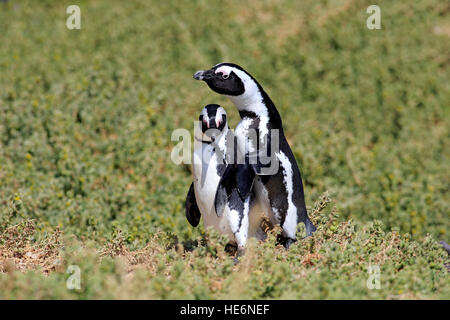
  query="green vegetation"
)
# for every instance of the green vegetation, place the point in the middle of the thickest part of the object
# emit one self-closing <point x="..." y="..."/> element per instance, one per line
<point x="86" y="118"/>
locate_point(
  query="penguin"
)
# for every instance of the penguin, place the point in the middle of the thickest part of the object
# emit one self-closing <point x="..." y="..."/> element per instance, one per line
<point x="214" y="147"/>
<point x="446" y="246"/>
<point x="279" y="192"/>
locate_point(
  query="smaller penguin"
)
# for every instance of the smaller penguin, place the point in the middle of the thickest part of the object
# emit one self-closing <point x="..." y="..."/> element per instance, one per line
<point x="213" y="151"/>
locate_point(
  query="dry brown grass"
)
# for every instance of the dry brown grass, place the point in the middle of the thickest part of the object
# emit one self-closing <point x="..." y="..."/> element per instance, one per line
<point x="19" y="250"/>
<point x="145" y="258"/>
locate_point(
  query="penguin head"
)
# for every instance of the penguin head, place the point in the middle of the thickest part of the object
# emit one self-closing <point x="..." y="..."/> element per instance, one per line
<point x="227" y="79"/>
<point x="213" y="121"/>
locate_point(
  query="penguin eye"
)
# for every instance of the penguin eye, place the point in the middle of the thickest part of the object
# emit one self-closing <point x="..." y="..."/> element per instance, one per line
<point x="225" y="76"/>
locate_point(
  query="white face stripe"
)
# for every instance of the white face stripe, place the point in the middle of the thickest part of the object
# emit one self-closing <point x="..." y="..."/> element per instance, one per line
<point x="251" y="99"/>
<point x="225" y="70"/>
<point x="249" y="84"/>
<point x="218" y="117"/>
<point x="204" y="113"/>
<point x="219" y="113"/>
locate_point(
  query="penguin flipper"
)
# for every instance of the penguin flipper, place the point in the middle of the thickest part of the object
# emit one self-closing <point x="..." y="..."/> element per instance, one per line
<point x="226" y="184"/>
<point x="245" y="176"/>
<point x="241" y="177"/>
<point x="192" y="211"/>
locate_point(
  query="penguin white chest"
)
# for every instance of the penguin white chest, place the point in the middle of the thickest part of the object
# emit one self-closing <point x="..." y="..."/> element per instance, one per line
<point x="206" y="179"/>
<point x="244" y="134"/>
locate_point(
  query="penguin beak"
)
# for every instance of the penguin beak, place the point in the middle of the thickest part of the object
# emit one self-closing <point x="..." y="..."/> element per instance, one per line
<point x="204" y="75"/>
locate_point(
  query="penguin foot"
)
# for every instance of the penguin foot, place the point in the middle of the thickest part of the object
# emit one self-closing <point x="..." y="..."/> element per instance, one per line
<point x="285" y="241"/>
<point x="288" y="243"/>
<point x="231" y="248"/>
<point x="446" y="246"/>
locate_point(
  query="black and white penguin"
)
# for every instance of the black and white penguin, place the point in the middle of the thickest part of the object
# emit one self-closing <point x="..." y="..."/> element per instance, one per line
<point x="279" y="193"/>
<point x="213" y="150"/>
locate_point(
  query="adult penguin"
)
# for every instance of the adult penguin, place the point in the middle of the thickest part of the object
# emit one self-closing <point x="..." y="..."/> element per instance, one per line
<point x="277" y="183"/>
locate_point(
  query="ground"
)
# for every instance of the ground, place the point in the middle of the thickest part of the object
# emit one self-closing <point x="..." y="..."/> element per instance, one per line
<point x="86" y="176"/>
